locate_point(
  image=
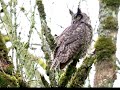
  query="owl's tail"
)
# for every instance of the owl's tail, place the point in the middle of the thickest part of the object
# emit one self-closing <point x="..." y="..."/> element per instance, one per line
<point x="55" y="64"/>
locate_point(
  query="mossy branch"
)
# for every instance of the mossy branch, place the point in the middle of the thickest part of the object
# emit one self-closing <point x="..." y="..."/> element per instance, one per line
<point x="48" y="41"/>
<point x="8" y="81"/>
<point x="71" y="69"/>
<point x="6" y="67"/>
<point x="5" y="64"/>
<point x="81" y="74"/>
<point x="45" y="29"/>
<point x="44" y="81"/>
<point x="65" y="77"/>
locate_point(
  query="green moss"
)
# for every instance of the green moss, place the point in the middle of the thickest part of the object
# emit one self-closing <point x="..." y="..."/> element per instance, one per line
<point x="22" y="83"/>
<point x="70" y="71"/>
<point x="6" y="38"/>
<point x="47" y="57"/>
<point x="26" y="45"/>
<point x="65" y="77"/>
<point x="82" y="73"/>
<point x="22" y="9"/>
<point x="8" y="81"/>
<point x="45" y="29"/>
<point x="3" y="49"/>
<point x="51" y="42"/>
<point x="49" y="37"/>
<point x="110" y="23"/>
<point x="9" y="69"/>
<point x="8" y="66"/>
<point x="104" y="48"/>
<point x="111" y="3"/>
<point x="41" y="9"/>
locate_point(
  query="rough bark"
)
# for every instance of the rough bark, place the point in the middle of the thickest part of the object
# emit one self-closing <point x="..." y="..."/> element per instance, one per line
<point x="106" y="44"/>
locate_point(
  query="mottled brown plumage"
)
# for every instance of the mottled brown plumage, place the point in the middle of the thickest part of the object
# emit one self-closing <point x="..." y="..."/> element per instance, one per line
<point x="74" y="39"/>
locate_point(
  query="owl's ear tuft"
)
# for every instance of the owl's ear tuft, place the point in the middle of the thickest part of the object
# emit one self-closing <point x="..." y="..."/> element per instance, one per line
<point x="71" y="12"/>
<point x="78" y="11"/>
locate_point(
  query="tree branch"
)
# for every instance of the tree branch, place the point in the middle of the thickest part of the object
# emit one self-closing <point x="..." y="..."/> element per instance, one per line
<point x="81" y="74"/>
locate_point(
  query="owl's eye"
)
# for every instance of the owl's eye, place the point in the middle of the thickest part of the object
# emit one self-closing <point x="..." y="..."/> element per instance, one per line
<point x="79" y="16"/>
<point x="73" y="21"/>
<point x="75" y="16"/>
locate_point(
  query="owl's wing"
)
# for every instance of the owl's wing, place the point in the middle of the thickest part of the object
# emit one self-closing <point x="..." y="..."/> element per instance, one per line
<point x="76" y="34"/>
<point x="67" y="38"/>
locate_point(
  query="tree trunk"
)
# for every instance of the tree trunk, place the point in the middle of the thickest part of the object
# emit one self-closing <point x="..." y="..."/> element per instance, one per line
<point x="105" y="46"/>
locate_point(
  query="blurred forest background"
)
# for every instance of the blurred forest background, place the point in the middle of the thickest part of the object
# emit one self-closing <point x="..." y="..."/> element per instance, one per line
<point x="27" y="42"/>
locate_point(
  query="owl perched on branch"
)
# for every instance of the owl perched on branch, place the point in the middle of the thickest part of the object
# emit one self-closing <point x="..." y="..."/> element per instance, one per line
<point x="74" y="39"/>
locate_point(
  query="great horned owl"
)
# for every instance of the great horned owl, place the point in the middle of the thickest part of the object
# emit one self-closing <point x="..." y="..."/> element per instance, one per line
<point x="74" y="39"/>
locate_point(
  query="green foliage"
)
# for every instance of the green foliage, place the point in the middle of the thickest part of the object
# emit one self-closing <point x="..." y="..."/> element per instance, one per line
<point x="8" y="81"/>
<point x="110" y="23"/>
<point x="104" y="48"/>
